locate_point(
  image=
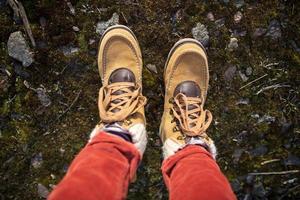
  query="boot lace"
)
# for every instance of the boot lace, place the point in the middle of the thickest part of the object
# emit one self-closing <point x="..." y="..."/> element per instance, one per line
<point x="119" y="100"/>
<point x="188" y="111"/>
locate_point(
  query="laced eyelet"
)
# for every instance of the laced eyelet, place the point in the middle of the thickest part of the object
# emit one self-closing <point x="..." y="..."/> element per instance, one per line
<point x="171" y="111"/>
<point x="171" y="100"/>
<point x="180" y="137"/>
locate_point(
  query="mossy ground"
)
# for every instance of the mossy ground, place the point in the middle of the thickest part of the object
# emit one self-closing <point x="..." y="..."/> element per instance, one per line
<point x="27" y="128"/>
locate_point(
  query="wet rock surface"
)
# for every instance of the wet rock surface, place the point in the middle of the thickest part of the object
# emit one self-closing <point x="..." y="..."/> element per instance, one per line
<point x="47" y="110"/>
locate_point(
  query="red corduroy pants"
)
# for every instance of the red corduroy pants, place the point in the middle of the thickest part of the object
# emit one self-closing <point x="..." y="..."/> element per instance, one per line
<point x="104" y="167"/>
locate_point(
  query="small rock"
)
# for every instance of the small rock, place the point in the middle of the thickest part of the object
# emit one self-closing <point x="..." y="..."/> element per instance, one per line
<point x="69" y="50"/>
<point x="259" y="151"/>
<point x="37" y="161"/>
<point x="259" y="190"/>
<point x="239" y="3"/>
<point x="75" y="28"/>
<point x="229" y="73"/>
<point x="237" y="154"/>
<point x="274" y="30"/>
<point x="42" y="191"/>
<point x="200" y="33"/>
<point x="266" y="118"/>
<point x="103" y="25"/>
<point x="152" y="68"/>
<point x="19" y="70"/>
<point x="72" y="9"/>
<point x="286" y="127"/>
<point x="43" y="97"/>
<point x="220" y="22"/>
<point x="237" y="33"/>
<point x="243" y="76"/>
<point x="237" y="17"/>
<point x="249" y="71"/>
<point x="43" y="22"/>
<point x="91" y="41"/>
<point x="250" y="179"/>
<point x="233" y="44"/>
<point x="259" y="32"/>
<point x="236" y="185"/>
<point x="210" y="16"/>
<point x="242" y="102"/>
<point x="292" y="160"/>
<point x="19" y="49"/>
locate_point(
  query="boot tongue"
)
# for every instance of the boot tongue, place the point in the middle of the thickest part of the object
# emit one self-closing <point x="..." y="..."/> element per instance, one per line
<point x="121" y="75"/>
<point x="189" y="89"/>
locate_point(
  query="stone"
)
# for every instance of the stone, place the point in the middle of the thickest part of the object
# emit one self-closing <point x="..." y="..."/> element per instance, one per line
<point x="210" y="16"/>
<point x="75" y="28"/>
<point x="237" y="155"/>
<point x="237" y="17"/>
<point x="229" y="73"/>
<point x="37" y="160"/>
<point x="259" y="190"/>
<point x="259" y="32"/>
<point x="242" y="102"/>
<point x="220" y="22"/>
<point x="152" y="68"/>
<point x="68" y="50"/>
<point x="266" y="118"/>
<point x="200" y="33"/>
<point x="249" y="71"/>
<point x="18" y="49"/>
<point x="103" y="25"/>
<point x="259" y="151"/>
<point x="42" y="191"/>
<point x="274" y="30"/>
<point x="292" y="160"/>
<point x="43" y="97"/>
<point x="239" y="3"/>
<point x="243" y="76"/>
<point x="233" y="44"/>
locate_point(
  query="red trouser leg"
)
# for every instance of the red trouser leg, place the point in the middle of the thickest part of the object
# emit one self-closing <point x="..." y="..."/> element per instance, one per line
<point x="102" y="170"/>
<point x="193" y="174"/>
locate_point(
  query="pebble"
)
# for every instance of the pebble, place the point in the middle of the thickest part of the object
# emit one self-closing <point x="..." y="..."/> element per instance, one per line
<point x="266" y="118"/>
<point x="37" y="160"/>
<point x="152" y="68"/>
<point x="200" y="33"/>
<point x="210" y="16"/>
<point x="237" y="155"/>
<point x="242" y="102"/>
<point x="18" y="49"/>
<point x="20" y="71"/>
<point x="243" y="76"/>
<point x="259" y="32"/>
<point x="75" y="28"/>
<point x="237" y="17"/>
<point x="237" y="33"/>
<point x="259" y="190"/>
<point x="249" y="71"/>
<point x="239" y="3"/>
<point x="43" y="97"/>
<point x="292" y="160"/>
<point x="259" y="151"/>
<point x="274" y="30"/>
<point x="42" y="191"/>
<point x="103" y="25"/>
<point x="220" y="22"/>
<point x="69" y="50"/>
<point x="229" y="73"/>
<point x="233" y="44"/>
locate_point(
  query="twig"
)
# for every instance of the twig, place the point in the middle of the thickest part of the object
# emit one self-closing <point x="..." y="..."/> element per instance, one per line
<point x="271" y="87"/>
<point x="19" y="11"/>
<point x="253" y="81"/>
<point x="275" y="173"/>
<point x="269" y="161"/>
<point x="271" y="64"/>
<point x="71" y="105"/>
